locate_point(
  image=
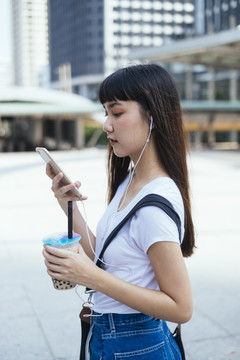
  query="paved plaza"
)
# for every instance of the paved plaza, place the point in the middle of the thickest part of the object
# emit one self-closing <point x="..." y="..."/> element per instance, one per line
<point x="40" y="323"/>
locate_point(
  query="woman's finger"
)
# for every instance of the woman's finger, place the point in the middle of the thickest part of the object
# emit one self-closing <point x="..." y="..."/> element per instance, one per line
<point x="54" y="275"/>
<point x="78" y="184"/>
<point x="56" y="180"/>
<point x="54" y="255"/>
<point x="49" y="171"/>
<point x="51" y="266"/>
<point x="64" y="192"/>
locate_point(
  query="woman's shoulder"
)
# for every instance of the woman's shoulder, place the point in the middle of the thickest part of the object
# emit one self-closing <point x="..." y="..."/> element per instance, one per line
<point x="165" y="187"/>
<point x="155" y="218"/>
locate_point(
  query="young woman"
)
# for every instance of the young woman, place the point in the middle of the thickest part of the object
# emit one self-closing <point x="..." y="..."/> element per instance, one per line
<point x="144" y="282"/>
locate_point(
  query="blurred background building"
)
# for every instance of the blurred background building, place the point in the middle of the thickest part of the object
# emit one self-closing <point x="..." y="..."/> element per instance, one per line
<point x="70" y="46"/>
<point x="90" y="39"/>
<point x="30" y="40"/>
<point x="216" y="15"/>
<point x="6" y="73"/>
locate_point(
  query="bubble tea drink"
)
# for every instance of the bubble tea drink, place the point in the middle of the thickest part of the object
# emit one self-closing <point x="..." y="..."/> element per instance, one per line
<point x="61" y="241"/>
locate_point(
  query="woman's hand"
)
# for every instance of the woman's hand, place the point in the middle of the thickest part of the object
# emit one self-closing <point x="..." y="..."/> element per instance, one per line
<point x="69" y="266"/>
<point x="63" y="192"/>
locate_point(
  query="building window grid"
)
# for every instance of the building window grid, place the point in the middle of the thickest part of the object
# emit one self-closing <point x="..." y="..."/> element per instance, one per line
<point x="156" y="26"/>
<point x="161" y="19"/>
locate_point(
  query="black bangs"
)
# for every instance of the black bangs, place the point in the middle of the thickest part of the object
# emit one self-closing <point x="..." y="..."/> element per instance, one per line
<point x="115" y="87"/>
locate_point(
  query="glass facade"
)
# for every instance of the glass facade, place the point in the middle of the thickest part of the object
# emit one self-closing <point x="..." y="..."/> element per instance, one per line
<point x="76" y="36"/>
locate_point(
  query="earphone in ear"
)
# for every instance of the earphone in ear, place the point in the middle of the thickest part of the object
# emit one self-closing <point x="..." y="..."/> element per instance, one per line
<point x="150" y="129"/>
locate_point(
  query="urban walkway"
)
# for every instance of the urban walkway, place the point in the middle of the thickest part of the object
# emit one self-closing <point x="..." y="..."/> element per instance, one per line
<point x="40" y="323"/>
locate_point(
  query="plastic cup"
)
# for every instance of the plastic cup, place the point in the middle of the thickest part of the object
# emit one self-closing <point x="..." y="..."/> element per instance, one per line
<point x="61" y="241"/>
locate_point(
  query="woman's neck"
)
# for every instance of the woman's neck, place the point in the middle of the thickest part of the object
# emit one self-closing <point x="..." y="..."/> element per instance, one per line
<point x="149" y="167"/>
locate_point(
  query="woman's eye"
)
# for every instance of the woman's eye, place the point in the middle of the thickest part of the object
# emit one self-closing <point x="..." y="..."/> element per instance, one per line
<point x="117" y="114"/>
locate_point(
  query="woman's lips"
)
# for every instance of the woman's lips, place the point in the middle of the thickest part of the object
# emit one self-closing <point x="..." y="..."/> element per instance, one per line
<point x="112" y="141"/>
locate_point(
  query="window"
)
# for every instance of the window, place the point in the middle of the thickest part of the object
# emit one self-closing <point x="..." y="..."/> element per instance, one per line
<point x="125" y="40"/>
<point x="188" y="19"/>
<point x="125" y="28"/>
<point x="188" y="7"/>
<point x="136" y="40"/>
<point x="157" y="29"/>
<point x="157" y="5"/>
<point x="125" y="16"/>
<point x="136" y="16"/>
<point x="125" y="3"/>
<point x="147" y="16"/>
<point x="167" y="6"/>
<point x="178" y="18"/>
<point x="157" y="41"/>
<point x="136" y="4"/>
<point x="157" y="17"/>
<point x="168" y="30"/>
<point x="147" y="40"/>
<point x="168" y="18"/>
<point x="146" y="5"/>
<point x="147" y="29"/>
<point x="178" y="6"/>
<point x="136" y="28"/>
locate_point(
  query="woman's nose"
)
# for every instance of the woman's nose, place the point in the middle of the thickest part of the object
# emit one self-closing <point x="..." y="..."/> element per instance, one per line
<point x="107" y="127"/>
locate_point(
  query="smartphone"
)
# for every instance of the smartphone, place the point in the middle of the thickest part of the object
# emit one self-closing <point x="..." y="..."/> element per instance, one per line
<point x="45" y="155"/>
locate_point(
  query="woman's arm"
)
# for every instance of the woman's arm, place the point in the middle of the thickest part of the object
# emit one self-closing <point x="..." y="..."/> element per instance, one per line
<point x="61" y="192"/>
<point x="172" y="303"/>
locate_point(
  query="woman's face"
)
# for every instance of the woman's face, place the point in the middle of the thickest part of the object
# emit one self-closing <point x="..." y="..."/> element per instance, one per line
<point x="126" y="128"/>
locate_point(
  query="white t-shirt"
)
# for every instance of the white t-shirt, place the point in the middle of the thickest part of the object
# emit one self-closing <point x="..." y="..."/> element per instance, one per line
<point x="127" y="253"/>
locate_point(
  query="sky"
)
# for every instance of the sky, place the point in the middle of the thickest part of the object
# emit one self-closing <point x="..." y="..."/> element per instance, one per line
<point x="5" y="29"/>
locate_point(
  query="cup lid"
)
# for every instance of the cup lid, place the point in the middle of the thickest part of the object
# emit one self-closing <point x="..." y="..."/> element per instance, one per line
<point x="60" y="239"/>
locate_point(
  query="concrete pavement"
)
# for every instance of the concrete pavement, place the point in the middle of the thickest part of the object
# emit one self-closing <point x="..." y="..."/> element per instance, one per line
<point x="40" y="323"/>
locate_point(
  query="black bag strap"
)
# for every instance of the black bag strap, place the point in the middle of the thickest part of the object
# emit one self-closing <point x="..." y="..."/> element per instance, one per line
<point x="148" y="200"/>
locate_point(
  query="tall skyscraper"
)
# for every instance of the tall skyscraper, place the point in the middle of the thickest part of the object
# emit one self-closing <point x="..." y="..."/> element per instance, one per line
<point x="89" y="39"/>
<point x="30" y="40"/>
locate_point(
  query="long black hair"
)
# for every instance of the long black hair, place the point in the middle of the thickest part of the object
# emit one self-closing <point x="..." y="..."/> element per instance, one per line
<point x="153" y="88"/>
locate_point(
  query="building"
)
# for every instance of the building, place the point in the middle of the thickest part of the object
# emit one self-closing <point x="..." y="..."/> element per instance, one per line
<point x="206" y="66"/>
<point x="216" y="15"/>
<point x="5" y="72"/>
<point x="206" y="69"/>
<point x="90" y="39"/>
<point x="30" y="40"/>
<point x="212" y="17"/>
<point x="31" y="117"/>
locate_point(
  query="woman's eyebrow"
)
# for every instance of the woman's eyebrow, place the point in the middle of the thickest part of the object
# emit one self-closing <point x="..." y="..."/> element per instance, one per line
<point x="110" y="106"/>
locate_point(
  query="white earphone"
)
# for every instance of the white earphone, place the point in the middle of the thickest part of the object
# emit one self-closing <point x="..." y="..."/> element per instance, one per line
<point x="150" y="129"/>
